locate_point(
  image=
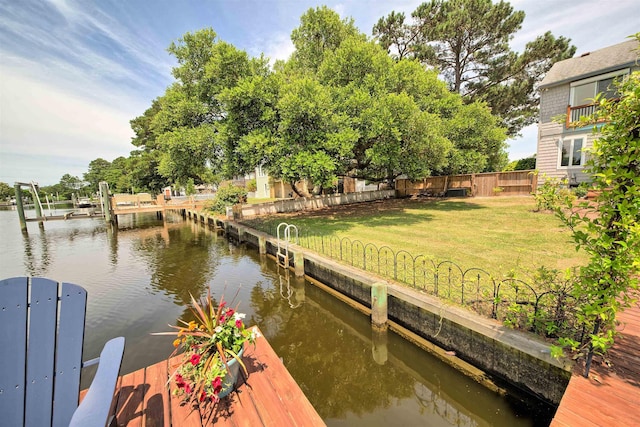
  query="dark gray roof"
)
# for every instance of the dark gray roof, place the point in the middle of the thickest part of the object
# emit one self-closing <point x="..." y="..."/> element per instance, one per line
<point x="593" y="63"/>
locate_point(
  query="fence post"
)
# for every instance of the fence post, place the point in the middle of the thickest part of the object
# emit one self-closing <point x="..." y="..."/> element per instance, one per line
<point x="379" y="304"/>
<point x="262" y="245"/>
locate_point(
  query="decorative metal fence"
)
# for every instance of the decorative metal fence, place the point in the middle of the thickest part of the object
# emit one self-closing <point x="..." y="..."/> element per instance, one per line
<point x="546" y="308"/>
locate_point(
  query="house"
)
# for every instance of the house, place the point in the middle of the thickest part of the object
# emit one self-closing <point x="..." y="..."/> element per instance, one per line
<point x="269" y="187"/>
<point x="568" y="90"/>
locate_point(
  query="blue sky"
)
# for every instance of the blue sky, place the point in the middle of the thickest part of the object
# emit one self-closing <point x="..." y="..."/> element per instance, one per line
<point x="73" y="73"/>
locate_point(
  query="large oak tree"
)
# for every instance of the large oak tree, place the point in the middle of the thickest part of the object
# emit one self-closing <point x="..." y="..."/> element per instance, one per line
<point x="467" y="41"/>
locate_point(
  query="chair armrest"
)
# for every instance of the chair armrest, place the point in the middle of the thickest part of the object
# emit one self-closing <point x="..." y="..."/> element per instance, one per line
<point x="94" y="409"/>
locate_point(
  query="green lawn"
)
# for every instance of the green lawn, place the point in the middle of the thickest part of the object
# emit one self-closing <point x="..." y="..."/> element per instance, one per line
<point x="496" y="234"/>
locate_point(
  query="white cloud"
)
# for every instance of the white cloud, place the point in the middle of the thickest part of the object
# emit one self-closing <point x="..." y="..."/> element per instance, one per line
<point x="38" y="119"/>
<point x="279" y="46"/>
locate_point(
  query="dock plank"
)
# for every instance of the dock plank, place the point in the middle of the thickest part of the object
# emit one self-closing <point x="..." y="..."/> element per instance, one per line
<point x="181" y="414"/>
<point x="156" y="411"/>
<point x="268" y="396"/>
<point x="611" y="394"/>
<point x="129" y="407"/>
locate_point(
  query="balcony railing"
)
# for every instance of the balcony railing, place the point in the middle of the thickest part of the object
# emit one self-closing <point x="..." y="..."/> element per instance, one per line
<point x="574" y="113"/>
<point x="586" y="110"/>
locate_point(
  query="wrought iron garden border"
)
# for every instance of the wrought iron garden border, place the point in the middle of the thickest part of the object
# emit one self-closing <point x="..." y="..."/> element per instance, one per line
<point x="546" y="310"/>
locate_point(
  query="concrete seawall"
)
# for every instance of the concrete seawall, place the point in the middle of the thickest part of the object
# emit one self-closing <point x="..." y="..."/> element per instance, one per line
<point x="520" y="358"/>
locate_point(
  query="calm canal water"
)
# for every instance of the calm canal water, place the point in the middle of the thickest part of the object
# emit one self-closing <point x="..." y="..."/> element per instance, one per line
<point x="139" y="276"/>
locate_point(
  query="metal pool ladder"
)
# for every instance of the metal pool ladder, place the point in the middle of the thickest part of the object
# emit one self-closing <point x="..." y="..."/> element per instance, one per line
<point x="283" y="242"/>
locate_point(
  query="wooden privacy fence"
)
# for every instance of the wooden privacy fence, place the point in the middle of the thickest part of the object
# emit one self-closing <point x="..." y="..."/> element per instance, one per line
<point x="476" y="184"/>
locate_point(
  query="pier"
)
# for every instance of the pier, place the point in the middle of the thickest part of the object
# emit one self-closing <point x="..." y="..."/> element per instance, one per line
<point x="611" y="395"/>
<point x="268" y="396"/>
<point x="109" y="206"/>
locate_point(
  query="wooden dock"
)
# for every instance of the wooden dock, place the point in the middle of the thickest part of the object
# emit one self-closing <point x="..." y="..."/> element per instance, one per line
<point x="611" y="395"/>
<point x="269" y="396"/>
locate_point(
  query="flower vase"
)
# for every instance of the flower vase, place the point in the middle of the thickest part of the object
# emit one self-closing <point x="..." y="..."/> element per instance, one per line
<point x="231" y="379"/>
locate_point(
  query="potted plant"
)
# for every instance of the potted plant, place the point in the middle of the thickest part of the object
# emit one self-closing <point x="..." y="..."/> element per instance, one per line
<point x="212" y="346"/>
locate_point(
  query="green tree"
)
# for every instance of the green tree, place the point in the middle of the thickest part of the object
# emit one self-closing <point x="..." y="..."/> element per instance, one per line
<point x="118" y="175"/>
<point x="6" y="192"/>
<point x="468" y="42"/>
<point x="361" y="115"/>
<point x="251" y="123"/>
<point x="321" y="30"/>
<point x="97" y="171"/>
<point x="71" y="183"/>
<point x="183" y="124"/>
<point x="144" y="172"/>
<point x="313" y="139"/>
<point x="609" y="230"/>
<point x="526" y="163"/>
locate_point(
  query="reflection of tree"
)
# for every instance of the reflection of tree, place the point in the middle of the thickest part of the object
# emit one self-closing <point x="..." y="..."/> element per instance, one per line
<point x="315" y="342"/>
<point x="180" y="265"/>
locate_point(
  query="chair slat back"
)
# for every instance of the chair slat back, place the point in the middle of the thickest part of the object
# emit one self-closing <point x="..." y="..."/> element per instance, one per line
<point x="43" y="312"/>
<point x="73" y="302"/>
<point x="40" y="369"/>
<point x="13" y="348"/>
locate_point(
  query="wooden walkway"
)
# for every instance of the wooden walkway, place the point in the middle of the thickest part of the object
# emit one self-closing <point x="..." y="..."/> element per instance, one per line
<point x="269" y="396"/>
<point x="611" y="395"/>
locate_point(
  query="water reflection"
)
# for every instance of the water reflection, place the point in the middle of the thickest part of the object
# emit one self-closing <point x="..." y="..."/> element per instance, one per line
<point x="36" y="252"/>
<point x="139" y="277"/>
<point x="180" y="260"/>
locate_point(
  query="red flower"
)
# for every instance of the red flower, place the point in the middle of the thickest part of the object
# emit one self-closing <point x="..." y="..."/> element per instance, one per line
<point x="187" y="388"/>
<point x="217" y="385"/>
<point x="239" y="324"/>
<point x="195" y="359"/>
<point x="179" y="381"/>
<point x="230" y="312"/>
<point x="203" y="396"/>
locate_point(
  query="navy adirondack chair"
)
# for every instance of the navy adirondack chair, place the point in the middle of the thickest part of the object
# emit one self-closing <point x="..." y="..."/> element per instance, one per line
<point x="41" y="337"/>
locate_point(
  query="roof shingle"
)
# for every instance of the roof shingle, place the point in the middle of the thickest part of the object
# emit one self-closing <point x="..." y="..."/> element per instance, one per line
<point x="593" y="63"/>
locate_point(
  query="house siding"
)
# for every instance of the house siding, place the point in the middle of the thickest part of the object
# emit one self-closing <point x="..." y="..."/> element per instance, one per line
<point x="555" y="97"/>
<point x="549" y="135"/>
<point x="553" y="102"/>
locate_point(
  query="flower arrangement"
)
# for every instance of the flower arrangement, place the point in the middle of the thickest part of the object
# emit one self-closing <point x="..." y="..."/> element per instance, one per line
<point x="210" y="342"/>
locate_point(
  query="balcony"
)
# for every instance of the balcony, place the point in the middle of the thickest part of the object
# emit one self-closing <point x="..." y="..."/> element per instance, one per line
<point x="586" y="110"/>
<point x="574" y="113"/>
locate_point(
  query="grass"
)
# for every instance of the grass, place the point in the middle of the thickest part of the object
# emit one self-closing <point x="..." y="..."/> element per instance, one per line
<point x="497" y="234"/>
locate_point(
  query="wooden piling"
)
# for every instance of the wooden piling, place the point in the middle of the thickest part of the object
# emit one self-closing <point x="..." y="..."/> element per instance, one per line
<point x="298" y="262"/>
<point x="104" y="201"/>
<point x="379" y="304"/>
<point x="20" y="207"/>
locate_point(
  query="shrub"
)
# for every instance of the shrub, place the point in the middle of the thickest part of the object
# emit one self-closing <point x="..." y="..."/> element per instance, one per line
<point x="581" y="190"/>
<point x="227" y="195"/>
<point x="551" y="193"/>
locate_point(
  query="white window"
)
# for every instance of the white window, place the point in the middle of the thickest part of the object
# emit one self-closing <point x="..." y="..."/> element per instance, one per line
<point x="584" y="91"/>
<point x="571" y="152"/>
<point x="261" y="172"/>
